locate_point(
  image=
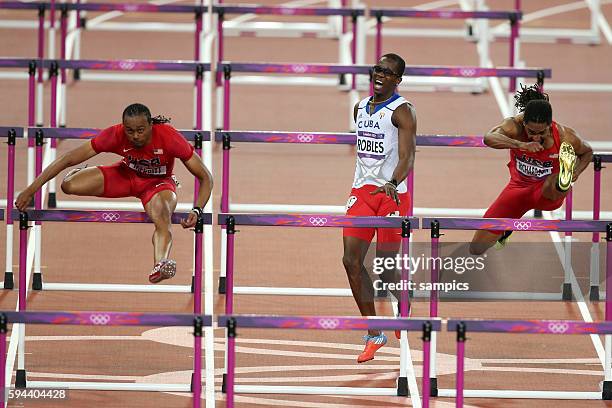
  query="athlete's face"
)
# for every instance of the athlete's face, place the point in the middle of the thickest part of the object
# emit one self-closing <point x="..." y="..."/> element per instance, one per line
<point x="537" y="131"/>
<point x="386" y="77"/>
<point x="137" y="129"/>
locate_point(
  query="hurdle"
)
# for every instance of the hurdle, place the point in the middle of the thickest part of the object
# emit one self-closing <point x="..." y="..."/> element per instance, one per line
<point x="589" y="36"/>
<point x="111" y="216"/>
<point x="326" y="69"/>
<point x="55" y="66"/>
<point x="513" y="17"/>
<point x="102" y="217"/>
<point x="507" y="224"/>
<point x="21" y="319"/>
<point x="230" y="221"/>
<point x="233" y="323"/>
<point x="598" y="159"/>
<point x="11" y="133"/>
<point x="557" y="327"/>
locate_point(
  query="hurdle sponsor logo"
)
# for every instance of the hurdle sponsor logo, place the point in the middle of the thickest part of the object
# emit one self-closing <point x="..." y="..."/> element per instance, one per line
<point x="351" y="201"/>
<point x="305" y="137"/>
<point x="328" y="323"/>
<point x="522" y="225"/>
<point x="110" y="216"/>
<point x="127" y="65"/>
<point x="558" y="327"/>
<point x="317" y="221"/>
<point x="531" y="167"/>
<point x="99" y="319"/>
<point x="467" y="72"/>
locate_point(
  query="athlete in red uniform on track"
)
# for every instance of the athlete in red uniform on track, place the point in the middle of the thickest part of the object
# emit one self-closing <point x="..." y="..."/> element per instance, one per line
<point x="545" y="158"/>
<point x="149" y="147"/>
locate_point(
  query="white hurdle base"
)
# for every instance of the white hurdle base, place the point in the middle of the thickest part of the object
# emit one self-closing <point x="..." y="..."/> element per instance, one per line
<point x="116" y="287"/>
<point x="109" y="386"/>
<point x="553" y="395"/>
<point x="285" y="389"/>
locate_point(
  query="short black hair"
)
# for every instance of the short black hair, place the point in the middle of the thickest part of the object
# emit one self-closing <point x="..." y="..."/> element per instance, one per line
<point x="534" y="103"/>
<point x="138" y="109"/>
<point x="399" y="61"/>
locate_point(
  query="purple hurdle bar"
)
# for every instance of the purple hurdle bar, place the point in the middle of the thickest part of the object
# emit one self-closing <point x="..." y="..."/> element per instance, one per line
<point x="322" y="323"/>
<point x="222" y="10"/>
<point x="321" y="138"/>
<point x="512" y="16"/>
<point x="516" y="326"/>
<point x="110" y="319"/>
<point x="466" y="72"/>
<point x="516" y="224"/>
<point x="295" y="220"/>
<point x="109" y="216"/>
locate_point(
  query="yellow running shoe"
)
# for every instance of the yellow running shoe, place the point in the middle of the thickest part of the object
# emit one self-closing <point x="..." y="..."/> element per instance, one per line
<point x="567" y="161"/>
<point x="501" y="242"/>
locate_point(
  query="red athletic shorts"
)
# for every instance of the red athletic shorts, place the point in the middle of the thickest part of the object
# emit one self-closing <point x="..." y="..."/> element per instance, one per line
<point x="362" y="203"/>
<point x="120" y="181"/>
<point x="517" y="198"/>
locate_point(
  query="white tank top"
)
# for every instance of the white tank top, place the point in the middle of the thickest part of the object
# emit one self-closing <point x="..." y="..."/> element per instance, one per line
<point x="377" y="152"/>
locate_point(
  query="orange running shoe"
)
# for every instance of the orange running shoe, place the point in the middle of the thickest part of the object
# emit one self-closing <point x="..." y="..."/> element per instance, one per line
<point x="373" y="343"/>
<point x="164" y="269"/>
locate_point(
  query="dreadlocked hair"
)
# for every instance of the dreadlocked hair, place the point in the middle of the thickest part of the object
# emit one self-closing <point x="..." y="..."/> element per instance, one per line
<point x="527" y="94"/>
<point x="159" y="119"/>
<point x="138" y="109"/>
<point x="533" y="102"/>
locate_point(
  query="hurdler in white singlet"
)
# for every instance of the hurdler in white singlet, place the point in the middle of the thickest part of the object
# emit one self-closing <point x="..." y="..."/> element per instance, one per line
<point x="377" y="149"/>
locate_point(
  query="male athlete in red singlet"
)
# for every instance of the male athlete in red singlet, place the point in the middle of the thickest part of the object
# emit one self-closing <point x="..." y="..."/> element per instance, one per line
<point x="545" y="158"/>
<point x="149" y="147"/>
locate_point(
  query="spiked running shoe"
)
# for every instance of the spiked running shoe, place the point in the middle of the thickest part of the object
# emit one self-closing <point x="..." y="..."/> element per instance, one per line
<point x="567" y="161"/>
<point x="164" y="269"/>
<point x="372" y="344"/>
<point x="501" y="242"/>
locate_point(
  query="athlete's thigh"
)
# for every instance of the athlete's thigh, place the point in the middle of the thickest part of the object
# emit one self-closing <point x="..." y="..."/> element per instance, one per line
<point x="161" y="206"/>
<point x="359" y="205"/>
<point x="84" y="182"/>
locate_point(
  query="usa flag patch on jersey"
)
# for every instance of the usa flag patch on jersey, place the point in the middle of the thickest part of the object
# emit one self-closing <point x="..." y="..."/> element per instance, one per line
<point x="158" y="151"/>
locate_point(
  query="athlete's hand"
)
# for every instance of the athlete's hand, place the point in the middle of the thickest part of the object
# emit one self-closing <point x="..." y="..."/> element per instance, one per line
<point x="23" y="200"/>
<point x="531" y="147"/>
<point x="390" y="190"/>
<point x="190" y="221"/>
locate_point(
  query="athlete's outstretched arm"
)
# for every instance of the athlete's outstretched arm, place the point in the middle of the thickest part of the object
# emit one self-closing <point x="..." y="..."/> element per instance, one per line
<point x="196" y="166"/>
<point x="583" y="150"/>
<point x="504" y="136"/>
<point x="71" y="158"/>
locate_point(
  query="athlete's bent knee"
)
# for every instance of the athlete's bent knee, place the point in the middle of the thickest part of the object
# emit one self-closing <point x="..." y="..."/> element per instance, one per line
<point x="351" y="263"/>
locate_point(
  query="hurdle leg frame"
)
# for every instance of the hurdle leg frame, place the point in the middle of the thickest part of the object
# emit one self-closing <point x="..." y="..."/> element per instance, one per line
<point x="433" y="305"/>
<point x="229" y="295"/>
<point x="20" y="375"/>
<point x="10" y="192"/>
<point x="594" y="262"/>
<point x="567" y="262"/>
<point x="402" y="380"/>
<point x="607" y="384"/>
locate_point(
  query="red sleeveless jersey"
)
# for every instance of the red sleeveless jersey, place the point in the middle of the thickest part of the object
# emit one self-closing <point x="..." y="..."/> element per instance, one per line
<point x="528" y="167"/>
